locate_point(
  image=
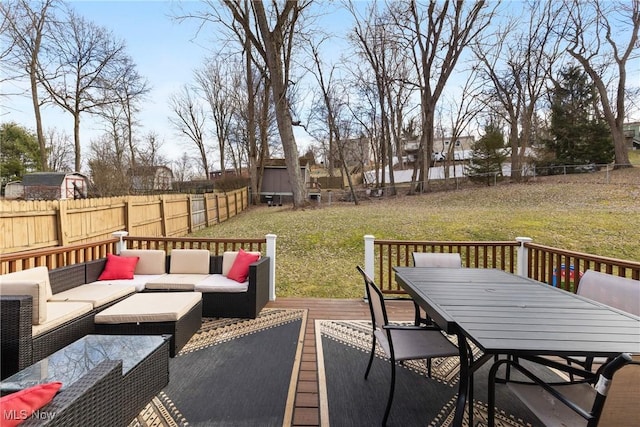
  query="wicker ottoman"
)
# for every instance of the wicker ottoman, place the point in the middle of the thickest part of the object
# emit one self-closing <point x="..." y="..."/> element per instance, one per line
<point x="178" y="314"/>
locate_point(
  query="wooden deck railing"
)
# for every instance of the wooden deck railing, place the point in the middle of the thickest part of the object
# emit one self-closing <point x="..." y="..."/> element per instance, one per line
<point x="57" y="256"/>
<point x="395" y="253"/>
<point x="557" y="267"/>
<point x="216" y="246"/>
<point x="72" y="254"/>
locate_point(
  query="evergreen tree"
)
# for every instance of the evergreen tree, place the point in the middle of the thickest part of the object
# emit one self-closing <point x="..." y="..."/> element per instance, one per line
<point x="579" y="135"/>
<point x="488" y="156"/>
<point x="19" y="152"/>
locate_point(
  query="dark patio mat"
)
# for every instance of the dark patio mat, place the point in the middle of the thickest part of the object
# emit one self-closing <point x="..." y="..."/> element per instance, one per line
<point x="233" y="372"/>
<point x="343" y="353"/>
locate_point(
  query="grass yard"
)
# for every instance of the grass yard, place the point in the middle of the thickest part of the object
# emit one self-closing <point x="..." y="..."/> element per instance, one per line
<point x="318" y="248"/>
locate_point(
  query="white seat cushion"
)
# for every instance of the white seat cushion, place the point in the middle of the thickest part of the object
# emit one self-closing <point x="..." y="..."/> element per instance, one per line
<point x="35" y="289"/>
<point x="151" y="261"/>
<point x="219" y="283"/>
<point x="150" y="307"/>
<point x="139" y="281"/>
<point x="189" y="261"/>
<point x="178" y="282"/>
<point x="59" y="313"/>
<point x="97" y="293"/>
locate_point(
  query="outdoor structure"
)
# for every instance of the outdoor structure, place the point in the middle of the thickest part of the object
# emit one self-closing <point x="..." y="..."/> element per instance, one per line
<point x="442" y="148"/>
<point x="14" y="190"/>
<point x="276" y="187"/>
<point x="54" y="186"/>
<point x="150" y="178"/>
<point x="632" y="135"/>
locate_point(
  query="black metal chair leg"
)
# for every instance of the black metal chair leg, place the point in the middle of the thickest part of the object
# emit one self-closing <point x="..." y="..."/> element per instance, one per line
<point x="373" y="350"/>
<point x="391" y="391"/>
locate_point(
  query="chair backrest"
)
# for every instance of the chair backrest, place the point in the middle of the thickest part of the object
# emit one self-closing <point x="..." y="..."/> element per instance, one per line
<point x="437" y="259"/>
<point x="614" y="291"/>
<point x="376" y="302"/>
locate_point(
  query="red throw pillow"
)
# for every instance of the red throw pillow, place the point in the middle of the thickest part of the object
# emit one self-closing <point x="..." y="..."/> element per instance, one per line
<point x="18" y="407"/>
<point x="240" y="267"/>
<point x="119" y="267"/>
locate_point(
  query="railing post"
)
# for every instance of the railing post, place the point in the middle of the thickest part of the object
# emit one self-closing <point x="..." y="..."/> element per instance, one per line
<point x="369" y="258"/>
<point x="271" y="253"/>
<point x="523" y="256"/>
<point x="122" y="245"/>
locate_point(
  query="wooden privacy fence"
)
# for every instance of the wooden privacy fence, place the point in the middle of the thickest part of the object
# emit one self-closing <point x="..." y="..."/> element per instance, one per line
<point x="28" y="225"/>
<point x="557" y="267"/>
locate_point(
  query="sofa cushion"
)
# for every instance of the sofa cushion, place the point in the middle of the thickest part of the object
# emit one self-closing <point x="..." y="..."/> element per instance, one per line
<point x="189" y="261"/>
<point x="35" y="273"/>
<point x="60" y="312"/>
<point x="97" y="293"/>
<point x="152" y="261"/>
<point x="35" y="289"/>
<point x="240" y="268"/>
<point x="118" y="267"/>
<point x="219" y="283"/>
<point x="177" y="282"/>
<point x="150" y="307"/>
<point x="19" y="406"/>
<point x="228" y="258"/>
<point x="139" y="281"/>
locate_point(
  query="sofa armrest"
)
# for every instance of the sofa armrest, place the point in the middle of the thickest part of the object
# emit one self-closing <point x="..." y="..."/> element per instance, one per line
<point x="94" y="399"/>
<point x="16" y="313"/>
<point x="259" y="281"/>
<point x="67" y="277"/>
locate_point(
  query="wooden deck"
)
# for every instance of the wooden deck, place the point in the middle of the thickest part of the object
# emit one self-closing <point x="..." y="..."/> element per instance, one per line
<point x="621" y="408"/>
<point x="306" y="411"/>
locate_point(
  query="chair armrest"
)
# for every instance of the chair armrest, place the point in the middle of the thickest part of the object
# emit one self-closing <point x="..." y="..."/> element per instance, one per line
<point x="16" y="333"/>
<point x="258" y="289"/>
<point x="94" y="399"/>
<point x="412" y="327"/>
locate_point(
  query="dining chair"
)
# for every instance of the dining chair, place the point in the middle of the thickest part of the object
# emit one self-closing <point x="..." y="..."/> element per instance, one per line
<point x="558" y="404"/>
<point x="615" y="291"/>
<point x="400" y="342"/>
<point x="433" y="259"/>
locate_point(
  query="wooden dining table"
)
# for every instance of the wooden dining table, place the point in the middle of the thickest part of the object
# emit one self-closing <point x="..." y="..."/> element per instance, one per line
<point x="506" y="314"/>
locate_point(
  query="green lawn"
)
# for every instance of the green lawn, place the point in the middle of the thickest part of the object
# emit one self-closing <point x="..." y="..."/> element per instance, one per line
<point x="318" y="248"/>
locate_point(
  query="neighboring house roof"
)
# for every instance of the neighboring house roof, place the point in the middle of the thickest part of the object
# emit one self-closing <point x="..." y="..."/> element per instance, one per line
<point x="47" y="178"/>
<point x="281" y="163"/>
<point x="147" y="170"/>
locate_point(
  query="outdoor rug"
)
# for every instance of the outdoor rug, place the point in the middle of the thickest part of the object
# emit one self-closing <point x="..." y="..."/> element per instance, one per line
<point x="233" y="372"/>
<point x="347" y="399"/>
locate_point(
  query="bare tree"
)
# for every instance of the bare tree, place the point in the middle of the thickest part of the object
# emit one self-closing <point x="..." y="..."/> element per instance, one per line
<point x="440" y="32"/>
<point x="189" y="120"/>
<point x="273" y="41"/>
<point x="85" y="60"/>
<point x="603" y="37"/>
<point x="24" y="23"/>
<point x="59" y="151"/>
<point x="218" y="80"/>
<point x="375" y="44"/>
<point x="333" y="106"/>
<point x="108" y="168"/>
<point x="129" y="90"/>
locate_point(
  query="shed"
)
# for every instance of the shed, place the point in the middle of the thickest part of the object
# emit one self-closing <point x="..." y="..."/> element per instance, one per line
<point x="14" y="190"/>
<point x="54" y="186"/>
<point x="150" y="178"/>
<point x="276" y="186"/>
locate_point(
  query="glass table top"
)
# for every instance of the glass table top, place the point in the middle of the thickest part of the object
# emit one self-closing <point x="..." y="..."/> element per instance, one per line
<point x="73" y="361"/>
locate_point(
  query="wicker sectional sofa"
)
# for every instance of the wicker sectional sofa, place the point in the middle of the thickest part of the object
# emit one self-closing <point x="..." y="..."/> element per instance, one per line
<point x="25" y="340"/>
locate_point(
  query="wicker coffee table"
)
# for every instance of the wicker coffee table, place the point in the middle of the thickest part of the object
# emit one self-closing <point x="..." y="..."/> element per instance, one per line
<point x="145" y="367"/>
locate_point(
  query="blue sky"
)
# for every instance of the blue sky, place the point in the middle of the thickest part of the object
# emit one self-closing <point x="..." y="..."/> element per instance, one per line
<point x="165" y="51"/>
